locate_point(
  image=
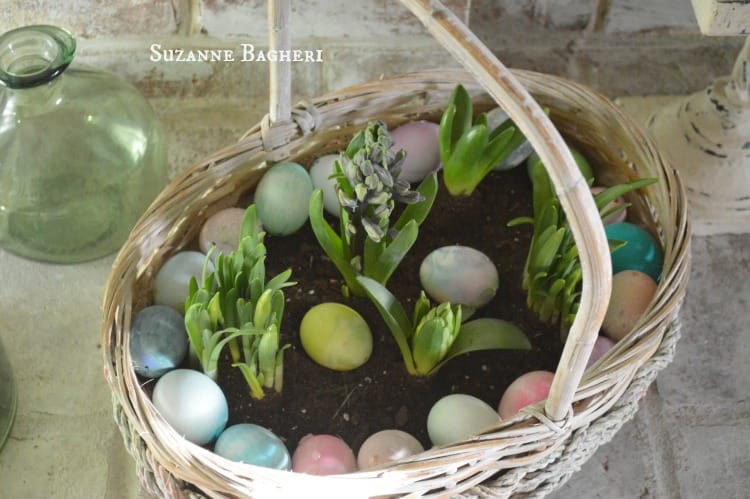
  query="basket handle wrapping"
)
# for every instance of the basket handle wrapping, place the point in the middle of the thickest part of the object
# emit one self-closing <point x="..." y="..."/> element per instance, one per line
<point x="571" y="188"/>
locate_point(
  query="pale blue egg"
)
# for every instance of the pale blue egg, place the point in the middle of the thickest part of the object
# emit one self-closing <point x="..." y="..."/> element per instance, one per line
<point x="172" y="282"/>
<point x="282" y="198"/>
<point x="320" y="173"/>
<point x="460" y="275"/>
<point x="192" y="403"/>
<point x="497" y="117"/>
<point x="158" y="340"/>
<point x="253" y="444"/>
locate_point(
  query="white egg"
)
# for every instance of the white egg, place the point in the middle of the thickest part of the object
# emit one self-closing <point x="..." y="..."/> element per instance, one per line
<point x="320" y="171"/>
<point x="419" y="139"/>
<point x="386" y="446"/>
<point x="172" y="282"/>
<point x="494" y="119"/>
<point x="459" y="275"/>
<point x="458" y="416"/>
<point x="192" y="403"/>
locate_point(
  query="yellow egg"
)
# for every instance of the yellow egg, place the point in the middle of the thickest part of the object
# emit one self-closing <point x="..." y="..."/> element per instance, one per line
<point x="336" y="336"/>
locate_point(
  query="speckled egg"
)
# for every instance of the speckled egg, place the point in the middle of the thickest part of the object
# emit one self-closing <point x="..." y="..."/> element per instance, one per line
<point x="192" y="403"/>
<point x="386" y="446"/>
<point x="459" y="275"/>
<point x="458" y="416"/>
<point x="632" y="292"/>
<point x="526" y="390"/>
<point x="613" y="218"/>
<point x="336" y="336"/>
<point x="172" y="282"/>
<point x="253" y="444"/>
<point x="158" y="340"/>
<point x="323" y="455"/>
<point x="282" y="198"/>
<point x="320" y="171"/>
<point x="419" y="139"/>
<point x="495" y="118"/>
<point x="641" y="253"/>
<point x="222" y="229"/>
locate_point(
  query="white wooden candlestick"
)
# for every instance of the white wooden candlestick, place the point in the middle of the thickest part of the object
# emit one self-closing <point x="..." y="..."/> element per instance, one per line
<point x="707" y="134"/>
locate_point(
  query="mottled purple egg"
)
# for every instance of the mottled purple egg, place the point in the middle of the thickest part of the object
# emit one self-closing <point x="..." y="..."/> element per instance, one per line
<point x="419" y="139"/>
<point x="602" y="345"/>
<point x="158" y="340"/>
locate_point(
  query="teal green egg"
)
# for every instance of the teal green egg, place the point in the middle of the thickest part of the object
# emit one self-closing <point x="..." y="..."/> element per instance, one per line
<point x="282" y="198"/>
<point x="253" y="444"/>
<point x="641" y="253"/>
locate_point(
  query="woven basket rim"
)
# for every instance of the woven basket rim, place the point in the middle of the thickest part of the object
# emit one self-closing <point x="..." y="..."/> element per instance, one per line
<point x="154" y="238"/>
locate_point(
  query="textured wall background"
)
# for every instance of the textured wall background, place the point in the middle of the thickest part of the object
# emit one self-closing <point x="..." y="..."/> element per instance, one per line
<point x="621" y="47"/>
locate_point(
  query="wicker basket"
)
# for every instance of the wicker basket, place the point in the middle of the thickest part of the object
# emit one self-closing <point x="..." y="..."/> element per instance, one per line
<point x="541" y="447"/>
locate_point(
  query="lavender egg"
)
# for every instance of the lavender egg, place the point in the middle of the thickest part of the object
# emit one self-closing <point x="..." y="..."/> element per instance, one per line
<point x="419" y="139"/>
<point x="192" y="403"/>
<point x="459" y="275"/>
<point x="158" y="340"/>
<point x="253" y="444"/>
<point x="386" y="446"/>
<point x="172" y="282"/>
<point x="222" y="230"/>
<point x="495" y="118"/>
<point x="320" y="172"/>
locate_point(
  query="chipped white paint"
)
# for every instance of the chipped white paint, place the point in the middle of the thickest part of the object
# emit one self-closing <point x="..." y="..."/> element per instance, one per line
<point x="707" y="137"/>
<point x="723" y="17"/>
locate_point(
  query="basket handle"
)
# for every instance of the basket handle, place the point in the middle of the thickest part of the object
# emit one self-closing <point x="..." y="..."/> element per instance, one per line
<point x="570" y="186"/>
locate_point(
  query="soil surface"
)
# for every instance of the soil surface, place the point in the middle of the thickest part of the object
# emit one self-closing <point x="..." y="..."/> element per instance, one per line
<point x="381" y="394"/>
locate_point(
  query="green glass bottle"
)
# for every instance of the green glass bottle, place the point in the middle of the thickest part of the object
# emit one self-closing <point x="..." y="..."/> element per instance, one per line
<point x="7" y="397"/>
<point x="81" y="153"/>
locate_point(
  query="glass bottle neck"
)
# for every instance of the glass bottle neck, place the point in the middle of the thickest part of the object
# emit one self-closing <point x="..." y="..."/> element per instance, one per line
<point x="34" y="55"/>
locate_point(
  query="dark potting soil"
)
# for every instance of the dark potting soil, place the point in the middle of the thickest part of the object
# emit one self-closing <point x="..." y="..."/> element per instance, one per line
<point x="381" y="394"/>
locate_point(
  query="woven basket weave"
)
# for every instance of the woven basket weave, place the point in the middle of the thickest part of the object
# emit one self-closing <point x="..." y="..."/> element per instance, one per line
<point x="541" y="447"/>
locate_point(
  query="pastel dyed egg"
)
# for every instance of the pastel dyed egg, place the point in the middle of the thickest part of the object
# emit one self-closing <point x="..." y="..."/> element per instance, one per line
<point x="497" y="117"/>
<point x="526" y="390"/>
<point x="192" y="403"/>
<point x="641" y="253"/>
<point x="602" y="345"/>
<point x="387" y="446"/>
<point x="172" y="282"/>
<point x="282" y="198"/>
<point x="222" y="230"/>
<point x="612" y="218"/>
<point x="323" y="455"/>
<point x="419" y="139"/>
<point x="458" y="416"/>
<point x="632" y="292"/>
<point x="320" y="171"/>
<point x="253" y="444"/>
<point x="158" y="340"/>
<point x="459" y="275"/>
<point x="336" y="336"/>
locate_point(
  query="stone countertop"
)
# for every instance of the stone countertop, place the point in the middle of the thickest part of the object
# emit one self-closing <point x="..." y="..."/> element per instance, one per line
<point x="689" y="439"/>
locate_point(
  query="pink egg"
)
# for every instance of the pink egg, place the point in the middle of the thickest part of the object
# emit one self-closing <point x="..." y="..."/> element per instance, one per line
<point x="323" y="455"/>
<point x="601" y="346"/>
<point x="386" y="446"/>
<point x="420" y="141"/>
<point x="528" y="389"/>
<point x="632" y="292"/>
<point x="614" y="218"/>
